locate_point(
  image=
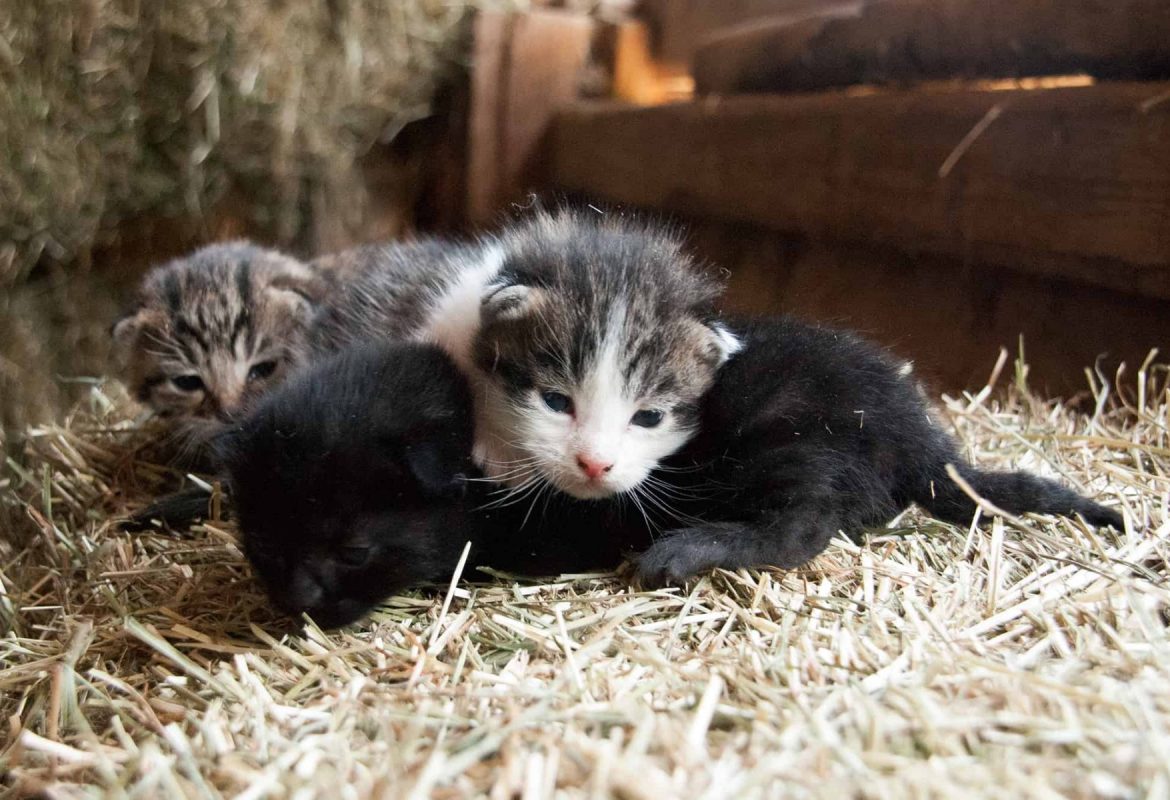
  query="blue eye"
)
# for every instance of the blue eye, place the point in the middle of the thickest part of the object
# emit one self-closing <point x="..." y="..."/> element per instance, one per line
<point x="187" y="383"/>
<point x="558" y="402"/>
<point x="647" y="419"/>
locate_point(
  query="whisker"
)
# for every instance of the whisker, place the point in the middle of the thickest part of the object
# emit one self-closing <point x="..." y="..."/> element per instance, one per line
<point x="663" y="505"/>
<point x="678" y="492"/>
<point x="518" y="486"/>
<point x="536" y="497"/>
<point x="692" y="468"/>
<point x="513" y="494"/>
<point x="511" y="476"/>
<point x="633" y="495"/>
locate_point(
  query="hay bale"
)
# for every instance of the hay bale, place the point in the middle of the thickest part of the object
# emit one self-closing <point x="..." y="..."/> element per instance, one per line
<point x="117" y="110"/>
<point x="1027" y="659"/>
<point x="110" y="109"/>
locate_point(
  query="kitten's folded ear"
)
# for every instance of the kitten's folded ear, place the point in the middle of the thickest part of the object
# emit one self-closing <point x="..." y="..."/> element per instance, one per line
<point x="126" y="331"/>
<point x="506" y="301"/>
<point x="440" y="463"/>
<point x="724" y="342"/>
<point x="297" y="285"/>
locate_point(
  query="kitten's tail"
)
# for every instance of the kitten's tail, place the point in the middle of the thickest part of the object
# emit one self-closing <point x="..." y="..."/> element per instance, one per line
<point x="1014" y="492"/>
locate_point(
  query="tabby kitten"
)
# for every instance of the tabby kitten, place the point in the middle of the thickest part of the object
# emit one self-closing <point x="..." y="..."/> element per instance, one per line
<point x="588" y="340"/>
<point x="213" y="331"/>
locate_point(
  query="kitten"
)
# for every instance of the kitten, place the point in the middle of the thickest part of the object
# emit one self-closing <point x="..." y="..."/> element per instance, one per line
<point x="354" y="479"/>
<point x="810" y="431"/>
<point x="213" y="331"/>
<point x="588" y="340"/>
<point x="350" y="483"/>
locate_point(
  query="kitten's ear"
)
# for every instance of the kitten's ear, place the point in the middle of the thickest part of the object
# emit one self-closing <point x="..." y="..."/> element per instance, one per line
<point x="298" y="287"/>
<point x="440" y="464"/>
<point x="723" y="341"/>
<point x="510" y="301"/>
<point x="127" y="330"/>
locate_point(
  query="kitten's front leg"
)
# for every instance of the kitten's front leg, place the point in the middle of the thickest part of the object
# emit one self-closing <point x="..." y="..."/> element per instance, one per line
<point x="784" y="539"/>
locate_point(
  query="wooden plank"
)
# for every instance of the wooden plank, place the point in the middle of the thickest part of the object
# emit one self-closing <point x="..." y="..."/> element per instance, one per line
<point x="526" y="67"/>
<point x="950" y="320"/>
<point x="638" y="77"/>
<point x="491" y="36"/>
<point x="899" y="41"/>
<point x="549" y="53"/>
<point x="1069" y="182"/>
<point x="679" y="26"/>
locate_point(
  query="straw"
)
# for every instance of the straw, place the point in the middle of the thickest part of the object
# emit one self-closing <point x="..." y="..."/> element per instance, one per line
<point x="1028" y="659"/>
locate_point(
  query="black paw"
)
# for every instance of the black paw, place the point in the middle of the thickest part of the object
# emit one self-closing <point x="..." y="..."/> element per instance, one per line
<point x="172" y="513"/>
<point x="672" y="560"/>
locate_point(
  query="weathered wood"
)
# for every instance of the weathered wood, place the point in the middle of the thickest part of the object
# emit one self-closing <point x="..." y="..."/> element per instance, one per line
<point x="1069" y="182"/>
<point x="907" y="40"/>
<point x="491" y="36"/>
<point x="949" y="319"/>
<point x="679" y="26"/>
<point x="526" y="67"/>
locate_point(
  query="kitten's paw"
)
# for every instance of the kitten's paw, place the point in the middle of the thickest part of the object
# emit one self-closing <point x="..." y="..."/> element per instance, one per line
<point x="173" y="513"/>
<point x="672" y="560"/>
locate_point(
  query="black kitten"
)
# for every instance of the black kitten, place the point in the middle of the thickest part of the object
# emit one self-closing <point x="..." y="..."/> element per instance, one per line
<point x="339" y="477"/>
<point x="350" y="482"/>
<point x="809" y="431"/>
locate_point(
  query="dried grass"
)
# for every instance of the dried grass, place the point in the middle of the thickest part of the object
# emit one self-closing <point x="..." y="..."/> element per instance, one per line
<point x="1029" y="658"/>
<point x="114" y="108"/>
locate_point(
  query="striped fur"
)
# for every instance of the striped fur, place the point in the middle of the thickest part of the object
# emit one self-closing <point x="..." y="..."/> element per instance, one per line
<point x="213" y="331"/>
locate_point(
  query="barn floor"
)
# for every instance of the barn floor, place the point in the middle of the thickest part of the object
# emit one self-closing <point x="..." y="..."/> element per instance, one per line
<point x="1027" y="658"/>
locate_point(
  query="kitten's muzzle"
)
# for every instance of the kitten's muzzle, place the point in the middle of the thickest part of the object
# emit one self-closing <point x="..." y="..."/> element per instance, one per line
<point x="594" y="468"/>
<point x="301" y="593"/>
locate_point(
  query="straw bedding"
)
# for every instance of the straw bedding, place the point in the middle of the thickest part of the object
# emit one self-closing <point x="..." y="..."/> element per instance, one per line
<point x="1025" y="658"/>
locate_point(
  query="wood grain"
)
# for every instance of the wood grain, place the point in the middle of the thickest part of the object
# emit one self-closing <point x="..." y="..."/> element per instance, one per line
<point x="1066" y="182"/>
<point x="899" y="41"/>
<point x="526" y="67"/>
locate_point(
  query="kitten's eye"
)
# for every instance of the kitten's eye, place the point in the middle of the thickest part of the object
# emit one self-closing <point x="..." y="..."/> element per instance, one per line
<point x="353" y="555"/>
<point x="260" y="371"/>
<point x="187" y="383"/>
<point x="647" y="419"/>
<point x="560" y="403"/>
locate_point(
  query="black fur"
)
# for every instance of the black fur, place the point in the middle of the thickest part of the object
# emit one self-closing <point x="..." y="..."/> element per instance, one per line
<point x="340" y="476"/>
<point x="171" y="512"/>
<point x="350" y="483"/>
<point x="809" y="431"/>
<point x="350" y="480"/>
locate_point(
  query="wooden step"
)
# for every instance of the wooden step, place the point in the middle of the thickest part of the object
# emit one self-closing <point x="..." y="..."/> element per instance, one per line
<point x="1071" y="182"/>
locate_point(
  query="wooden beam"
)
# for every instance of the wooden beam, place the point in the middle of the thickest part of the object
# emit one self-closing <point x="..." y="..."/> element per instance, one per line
<point x="526" y="67"/>
<point x="949" y="320"/>
<point x="898" y="41"/>
<point x="679" y="26"/>
<point x="491" y="36"/>
<point x="1068" y="182"/>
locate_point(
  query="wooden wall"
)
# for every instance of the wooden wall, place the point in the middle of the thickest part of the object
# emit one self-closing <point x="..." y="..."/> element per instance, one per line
<point x="946" y="218"/>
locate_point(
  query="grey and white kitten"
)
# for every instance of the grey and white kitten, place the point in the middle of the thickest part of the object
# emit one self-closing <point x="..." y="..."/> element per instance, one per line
<point x="212" y="332"/>
<point x="588" y="340"/>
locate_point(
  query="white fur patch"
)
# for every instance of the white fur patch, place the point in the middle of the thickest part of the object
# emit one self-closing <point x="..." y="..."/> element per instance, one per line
<point x="454" y="318"/>
<point x="728" y="343"/>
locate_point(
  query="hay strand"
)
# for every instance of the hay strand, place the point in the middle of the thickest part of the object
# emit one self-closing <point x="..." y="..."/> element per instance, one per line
<point x="1026" y="659"/>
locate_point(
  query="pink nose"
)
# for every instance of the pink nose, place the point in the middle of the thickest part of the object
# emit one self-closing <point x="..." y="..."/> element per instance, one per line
<point x="592" y="467"/>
